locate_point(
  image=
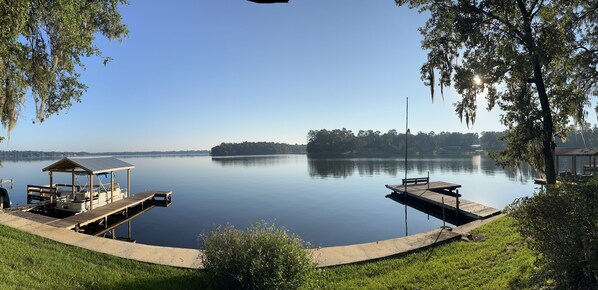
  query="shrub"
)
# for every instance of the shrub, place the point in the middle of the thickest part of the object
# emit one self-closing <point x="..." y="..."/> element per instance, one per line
<point x="262" y="257"/>
<point x="561" y="223"/>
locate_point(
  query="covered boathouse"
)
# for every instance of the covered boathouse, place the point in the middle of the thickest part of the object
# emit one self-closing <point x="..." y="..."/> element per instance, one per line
<point x="587" y="155"/>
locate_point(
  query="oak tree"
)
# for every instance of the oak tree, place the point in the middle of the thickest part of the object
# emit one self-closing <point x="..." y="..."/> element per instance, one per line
<point x="42" y="46"/>
<point x="536" y="60"/>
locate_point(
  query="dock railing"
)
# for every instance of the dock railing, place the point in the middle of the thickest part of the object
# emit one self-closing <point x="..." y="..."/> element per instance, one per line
<point x="46" y="192"/>
<point x="416" y="180"/>
<point x="9" y="181"/>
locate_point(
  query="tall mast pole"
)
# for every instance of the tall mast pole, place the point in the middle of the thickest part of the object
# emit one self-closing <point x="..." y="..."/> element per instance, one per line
<point x="406" y="133"/>
<point x="405" y="194"/>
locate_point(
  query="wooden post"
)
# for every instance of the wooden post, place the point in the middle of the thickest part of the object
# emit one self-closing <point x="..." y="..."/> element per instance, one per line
<point x="73" y="183"/>
<point x="51" y="187"/>
<point x="129" y="230"/>
<point x="443" y="223"/>
<point x="128" y="182"/>
<point x="113" y="234"/>
<point x="111" y="187"/>
<point x="90" y="191"/>
<point x="574" y="166"/>
<point x="457" y="195"/>
<point x="406" y="224"/>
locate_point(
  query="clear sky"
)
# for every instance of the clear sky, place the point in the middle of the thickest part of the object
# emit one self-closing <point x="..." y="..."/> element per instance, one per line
<point x="193" y="74"/>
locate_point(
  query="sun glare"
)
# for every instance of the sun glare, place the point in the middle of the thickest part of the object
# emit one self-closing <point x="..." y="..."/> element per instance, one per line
<point x="477" y="80"/>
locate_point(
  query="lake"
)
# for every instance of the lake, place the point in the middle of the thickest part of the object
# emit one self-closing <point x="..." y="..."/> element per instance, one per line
<point x="326" y="201"/>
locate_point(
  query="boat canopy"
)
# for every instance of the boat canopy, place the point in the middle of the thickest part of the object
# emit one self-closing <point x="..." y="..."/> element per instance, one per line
<point x="564" y="151"/>
<point x="93" y="165"/>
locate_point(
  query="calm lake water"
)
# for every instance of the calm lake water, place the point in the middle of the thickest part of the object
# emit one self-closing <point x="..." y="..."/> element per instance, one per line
<point x="326" y="201"/>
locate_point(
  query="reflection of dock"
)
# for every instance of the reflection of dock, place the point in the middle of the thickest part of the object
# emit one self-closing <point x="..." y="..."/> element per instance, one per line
<point x="449" y="216"/>
<point x="442" y="195"/>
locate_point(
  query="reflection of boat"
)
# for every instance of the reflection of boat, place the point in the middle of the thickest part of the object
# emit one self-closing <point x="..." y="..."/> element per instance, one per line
<point x="81" y="196"/>
<point x="4" y="198"/>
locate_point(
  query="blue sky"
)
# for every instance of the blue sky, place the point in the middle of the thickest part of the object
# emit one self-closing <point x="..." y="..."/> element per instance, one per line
<point x="193" y="74"/>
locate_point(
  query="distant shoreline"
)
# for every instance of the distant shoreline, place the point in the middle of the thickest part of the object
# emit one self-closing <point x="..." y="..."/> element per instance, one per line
<point x="15" y="155"/>
<point x="397" y="155"/>
<point x="257" y="148"/>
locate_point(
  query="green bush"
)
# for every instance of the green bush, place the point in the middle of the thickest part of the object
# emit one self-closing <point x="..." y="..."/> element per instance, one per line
<point x="262" y="257"/>
<point x="561" y="223"/>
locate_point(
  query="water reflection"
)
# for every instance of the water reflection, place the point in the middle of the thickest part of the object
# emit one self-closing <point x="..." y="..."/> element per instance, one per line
<point x="438" y="212"/>
<point x="253" y="160"/>
<point x="328" y="202"/>
<point x="347" y="167"/>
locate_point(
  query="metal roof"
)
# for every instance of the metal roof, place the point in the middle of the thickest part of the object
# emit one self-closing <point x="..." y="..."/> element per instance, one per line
<point x="94" y="165"/>
<point x="575" y="151"/>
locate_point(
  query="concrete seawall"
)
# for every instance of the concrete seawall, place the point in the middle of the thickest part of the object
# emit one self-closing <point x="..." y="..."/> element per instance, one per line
<point x="192" y="258"/>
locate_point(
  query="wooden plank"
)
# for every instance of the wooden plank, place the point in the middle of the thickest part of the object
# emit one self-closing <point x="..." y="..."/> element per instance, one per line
<point x="38" y="218"/>
<point x="487" y="212"/>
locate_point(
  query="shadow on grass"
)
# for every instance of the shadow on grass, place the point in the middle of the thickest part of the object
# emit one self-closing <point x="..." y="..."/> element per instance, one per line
<point x="189" y="280"/>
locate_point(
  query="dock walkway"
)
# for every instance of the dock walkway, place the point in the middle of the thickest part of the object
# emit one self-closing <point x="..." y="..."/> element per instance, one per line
<point x="434" y="192"/>
<point x="103" y="212"/>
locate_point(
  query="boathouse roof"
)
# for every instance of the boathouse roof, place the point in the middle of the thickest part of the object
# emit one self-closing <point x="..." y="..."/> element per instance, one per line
<point x="93" y="165"/>
<point x="562" y="151"/>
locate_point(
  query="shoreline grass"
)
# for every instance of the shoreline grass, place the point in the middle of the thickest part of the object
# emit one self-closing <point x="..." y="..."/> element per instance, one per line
<point x="31" y="262"/>
<point x="501" y="261"/>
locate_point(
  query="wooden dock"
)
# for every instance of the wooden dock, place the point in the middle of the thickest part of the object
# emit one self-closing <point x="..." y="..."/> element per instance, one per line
<point x="434" y="193"/>
<point x="103" y="212"/>
<point x="38" y="218"/>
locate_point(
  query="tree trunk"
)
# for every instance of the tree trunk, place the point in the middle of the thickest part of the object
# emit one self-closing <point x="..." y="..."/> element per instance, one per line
<point x="547" y="143"/>
<point x="547" y="124"/>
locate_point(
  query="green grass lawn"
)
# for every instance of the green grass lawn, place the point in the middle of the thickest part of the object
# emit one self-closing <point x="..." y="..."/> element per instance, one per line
<point x="30" y="262"/>
<point x="500" y="262"/>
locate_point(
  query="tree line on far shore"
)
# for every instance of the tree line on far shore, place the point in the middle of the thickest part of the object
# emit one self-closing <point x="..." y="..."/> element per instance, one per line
<point x="256" y="148"/>
<point x="344" y="142"/>
<point x="369" y="142"/>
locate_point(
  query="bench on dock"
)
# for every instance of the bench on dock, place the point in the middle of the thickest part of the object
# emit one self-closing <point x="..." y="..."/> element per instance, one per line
<point x="416" y="180"/>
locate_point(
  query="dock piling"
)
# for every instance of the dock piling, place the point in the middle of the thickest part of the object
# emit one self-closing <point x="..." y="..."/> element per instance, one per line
<point x="457" y="202"/>
<point x="443" y="219"/>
